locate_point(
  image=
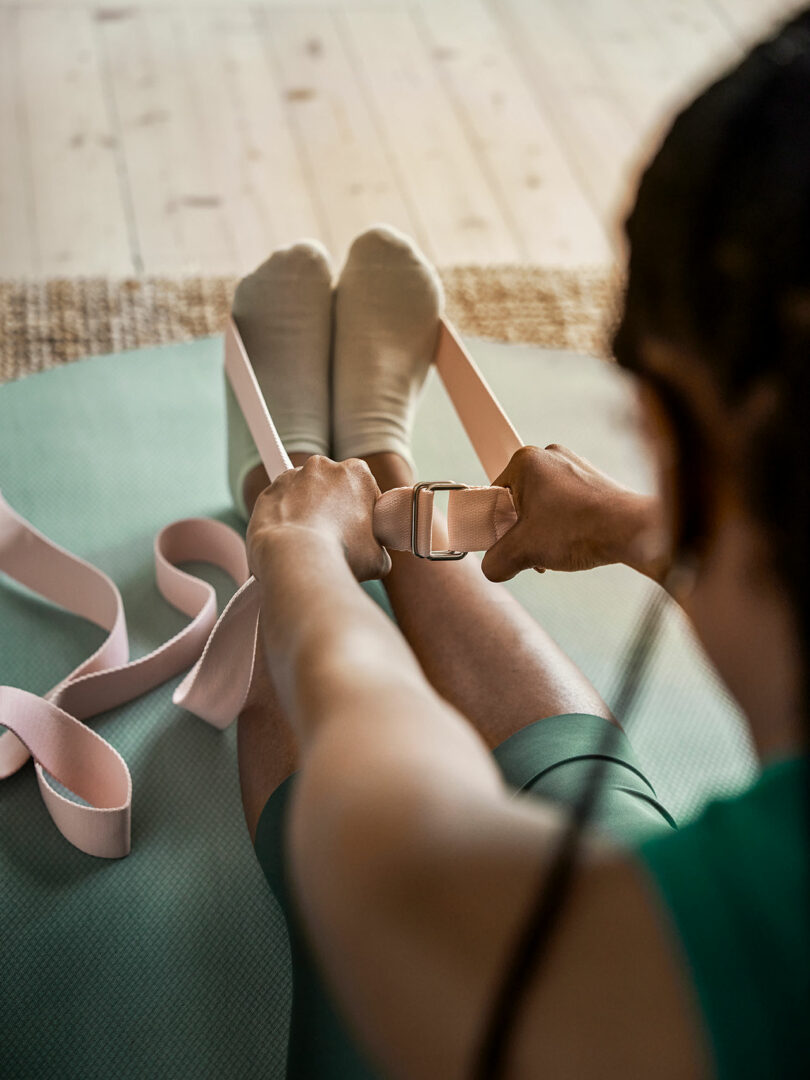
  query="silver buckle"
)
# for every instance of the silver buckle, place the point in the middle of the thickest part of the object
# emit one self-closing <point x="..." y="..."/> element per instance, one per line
<point x="432" y="485"/>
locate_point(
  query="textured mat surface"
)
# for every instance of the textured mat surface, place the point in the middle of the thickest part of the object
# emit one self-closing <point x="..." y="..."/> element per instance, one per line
<point x="172" y="963"/>
<point x="51" y="322"/>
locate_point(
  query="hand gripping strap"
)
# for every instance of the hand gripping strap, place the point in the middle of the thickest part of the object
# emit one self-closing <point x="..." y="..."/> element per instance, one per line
<point x="51" y="729"/>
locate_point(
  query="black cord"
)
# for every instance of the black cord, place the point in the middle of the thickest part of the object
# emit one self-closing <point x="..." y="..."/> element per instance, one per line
<point x="533" y="944"/>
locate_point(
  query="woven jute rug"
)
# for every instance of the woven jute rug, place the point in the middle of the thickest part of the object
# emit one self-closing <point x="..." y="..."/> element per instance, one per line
<point x="52" y="322"/>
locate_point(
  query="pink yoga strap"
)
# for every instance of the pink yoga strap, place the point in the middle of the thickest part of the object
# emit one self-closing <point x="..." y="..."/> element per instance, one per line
<point x="51" y="729"/>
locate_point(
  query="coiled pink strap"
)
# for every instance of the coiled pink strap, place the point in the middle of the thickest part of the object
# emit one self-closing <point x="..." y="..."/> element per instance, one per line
<point x="51" y="729"/>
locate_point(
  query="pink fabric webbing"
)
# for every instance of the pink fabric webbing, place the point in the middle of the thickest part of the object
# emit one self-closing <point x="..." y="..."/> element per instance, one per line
<point x="220" y="653"/>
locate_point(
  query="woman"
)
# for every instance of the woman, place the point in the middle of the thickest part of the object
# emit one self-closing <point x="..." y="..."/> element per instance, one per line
<point x="415" y="873"/>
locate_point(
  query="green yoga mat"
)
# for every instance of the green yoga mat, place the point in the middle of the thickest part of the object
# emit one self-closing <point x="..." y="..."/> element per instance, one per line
<point x="173" y="962"/>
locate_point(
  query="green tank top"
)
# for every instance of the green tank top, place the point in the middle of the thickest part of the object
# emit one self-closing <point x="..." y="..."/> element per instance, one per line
<point x="736" y="888"/>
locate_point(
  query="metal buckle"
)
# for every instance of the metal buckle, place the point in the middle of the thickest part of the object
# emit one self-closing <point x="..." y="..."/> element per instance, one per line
<point x="432" y="485"/>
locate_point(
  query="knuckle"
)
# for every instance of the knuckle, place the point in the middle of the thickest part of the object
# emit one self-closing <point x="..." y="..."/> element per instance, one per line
<point x="528" y="456"/>
<point x="562" y="452"/>
<point x="359" y="467"/>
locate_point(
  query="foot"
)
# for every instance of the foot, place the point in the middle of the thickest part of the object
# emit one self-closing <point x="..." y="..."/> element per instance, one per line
<point x="388" y="302"/>
<point x="284" y="314"/>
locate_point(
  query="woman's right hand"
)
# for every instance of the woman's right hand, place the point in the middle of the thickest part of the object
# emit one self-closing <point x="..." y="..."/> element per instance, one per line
<point x="571" y="516"/>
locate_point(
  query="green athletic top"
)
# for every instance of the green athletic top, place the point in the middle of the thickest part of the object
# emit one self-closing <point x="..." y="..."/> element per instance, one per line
<point x="735" y="885"/>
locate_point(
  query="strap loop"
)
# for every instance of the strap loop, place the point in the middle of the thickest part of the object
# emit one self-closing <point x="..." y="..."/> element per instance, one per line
<point x="222" y="651"/>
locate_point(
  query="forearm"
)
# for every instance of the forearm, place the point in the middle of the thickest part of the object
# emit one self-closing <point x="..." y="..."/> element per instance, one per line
<point x="324" y="640"/>
<point x="379" y="749"/>
<point x="339" y="663"/>
<point x="388" y="773"/>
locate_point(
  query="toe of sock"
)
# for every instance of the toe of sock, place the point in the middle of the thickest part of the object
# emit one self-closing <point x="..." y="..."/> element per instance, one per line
<point x="306" y="259"/>
<point x="378" y="241"/>
<point x="386" y="247"/>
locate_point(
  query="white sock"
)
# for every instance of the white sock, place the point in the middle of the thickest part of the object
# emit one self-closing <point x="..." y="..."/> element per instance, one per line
<point x="388" y="301"/>
<point x="284" y="314"/>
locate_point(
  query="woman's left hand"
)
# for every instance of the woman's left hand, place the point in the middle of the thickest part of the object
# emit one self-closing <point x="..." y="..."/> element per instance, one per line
<point x="326" y="499"/>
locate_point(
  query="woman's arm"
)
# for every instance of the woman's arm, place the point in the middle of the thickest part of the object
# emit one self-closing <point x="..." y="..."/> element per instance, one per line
<point x="413" y="868"/>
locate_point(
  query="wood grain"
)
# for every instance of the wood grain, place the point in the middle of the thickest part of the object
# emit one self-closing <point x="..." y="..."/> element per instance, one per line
<point x="18" y="247"/>
<point x="194" y="136"/>
<point x="79" y="211"/>
<point x="341" y="146"/>
<point x="451" y="196"/>
<point x="549" y="212"/>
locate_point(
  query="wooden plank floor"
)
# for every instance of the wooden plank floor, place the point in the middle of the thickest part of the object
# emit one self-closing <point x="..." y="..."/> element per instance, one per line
<point x="193" y="136"/>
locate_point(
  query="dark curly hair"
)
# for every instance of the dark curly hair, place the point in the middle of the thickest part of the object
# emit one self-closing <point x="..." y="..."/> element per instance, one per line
<point x="719" y="269"/>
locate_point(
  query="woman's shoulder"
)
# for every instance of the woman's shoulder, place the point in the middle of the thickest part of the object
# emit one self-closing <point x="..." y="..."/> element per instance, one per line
<point x="734" y="884"/>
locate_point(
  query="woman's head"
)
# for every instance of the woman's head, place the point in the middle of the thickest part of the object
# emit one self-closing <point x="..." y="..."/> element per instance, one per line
<point x="717" y="310"/>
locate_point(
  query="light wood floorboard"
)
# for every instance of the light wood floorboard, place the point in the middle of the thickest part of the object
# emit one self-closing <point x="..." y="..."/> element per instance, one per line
<point x="347" y="165"/>
<point x="194" y="136"/>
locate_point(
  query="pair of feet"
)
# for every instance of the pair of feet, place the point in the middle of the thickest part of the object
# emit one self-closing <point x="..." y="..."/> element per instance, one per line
<point x="340" y="363"/>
